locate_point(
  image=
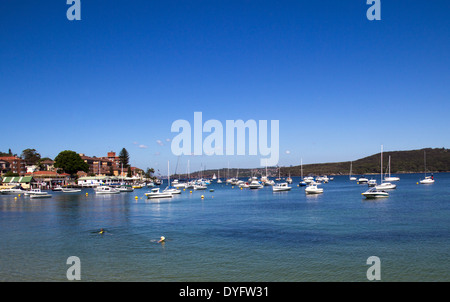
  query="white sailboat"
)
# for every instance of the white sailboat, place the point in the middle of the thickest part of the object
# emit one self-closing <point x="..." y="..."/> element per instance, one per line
<point x="384" y="185"/>
<point x="302" y="181"/>
<point x="350" y="175"/>
<point x="427" y="179"/>
<point x="377" y="192"/>
<point x="169" y="189"/>
<point x="391" y="178"/>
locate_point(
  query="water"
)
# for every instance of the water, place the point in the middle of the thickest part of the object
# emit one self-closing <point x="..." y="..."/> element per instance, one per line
<point x="231" y="234"/>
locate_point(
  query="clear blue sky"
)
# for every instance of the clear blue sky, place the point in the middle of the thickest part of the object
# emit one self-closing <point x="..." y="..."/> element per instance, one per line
<point x="339" y="84"/>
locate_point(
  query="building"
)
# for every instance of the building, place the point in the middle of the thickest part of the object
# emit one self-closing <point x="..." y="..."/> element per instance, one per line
<point x="12" y="164"/>
<point x="100" y="165"/>
<point x="11" y="181"/>
<point x="49" y="179"/>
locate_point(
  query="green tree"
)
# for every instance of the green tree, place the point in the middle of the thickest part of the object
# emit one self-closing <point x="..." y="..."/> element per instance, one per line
<point x="124" y="158"/>
<point x="129" y="172"/>
<point x="31" y="156"/>
<point x="70" y="162"/>
<point x="149" y="173"/>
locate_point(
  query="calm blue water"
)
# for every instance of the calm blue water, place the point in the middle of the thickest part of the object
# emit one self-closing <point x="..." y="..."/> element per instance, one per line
<point x="232" y="234"/>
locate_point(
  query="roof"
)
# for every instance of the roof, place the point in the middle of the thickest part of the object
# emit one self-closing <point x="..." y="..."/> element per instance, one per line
<point x="17" y="179"/>
<point x="10" y="158"/>
<point x="47" y="173"/>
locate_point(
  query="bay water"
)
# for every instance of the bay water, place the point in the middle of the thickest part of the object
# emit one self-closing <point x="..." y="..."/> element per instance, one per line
<point x="231" y="234"/>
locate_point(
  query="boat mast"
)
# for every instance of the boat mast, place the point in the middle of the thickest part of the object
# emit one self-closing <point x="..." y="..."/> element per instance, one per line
<point x="381" y="173"/>
<point x="425" y="162"/>
<point x="301" y="168"/>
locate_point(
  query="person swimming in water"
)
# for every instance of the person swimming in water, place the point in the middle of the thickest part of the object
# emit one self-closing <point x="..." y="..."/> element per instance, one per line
<point x="163" y="239"/>
<point x="102" y="231"/>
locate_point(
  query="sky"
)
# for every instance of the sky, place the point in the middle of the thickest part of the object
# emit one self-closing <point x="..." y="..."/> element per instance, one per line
<point x="339" y="84"/>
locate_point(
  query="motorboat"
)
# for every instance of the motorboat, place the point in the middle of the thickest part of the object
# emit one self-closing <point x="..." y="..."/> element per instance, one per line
<point x="44" y="195"/>
<point x="57" y="188"/>
<point x="302" y="183"/>
<point x="200" y="187"/>
<point x="125" y="188"/>
<point x="313" y="189"/>
<point x="70" y="190"/>
<point x="12" y="191"/>
<point x="372" y="183"/>
<point x="254" y="184"/>
<point x="172" y="190"/>
<point x="363" y="180"/>
<point x="427" y="180"/>
<point x="375" y="193"/>
<point x="281" y="187"/>
<point x="106" y="190"/>
<point x="34" y="192"/>
<point x="155" y="193"/>
<point x="386" y="186"/>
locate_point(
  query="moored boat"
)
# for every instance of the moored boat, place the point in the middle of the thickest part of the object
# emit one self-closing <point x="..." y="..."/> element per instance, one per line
<point x="281" y="187"/>
<point x="155" y="193"/>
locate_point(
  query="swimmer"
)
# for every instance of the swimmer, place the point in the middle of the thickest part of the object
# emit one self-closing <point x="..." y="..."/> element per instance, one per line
<point x="102" y="231"/>
<point x="162" y="239"/>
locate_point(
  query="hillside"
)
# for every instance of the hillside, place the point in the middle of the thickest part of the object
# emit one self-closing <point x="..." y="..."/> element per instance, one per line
<point x="438" y="160"/>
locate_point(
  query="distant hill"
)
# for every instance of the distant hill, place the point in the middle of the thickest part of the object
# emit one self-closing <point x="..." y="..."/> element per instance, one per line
<point x="438" y="160"/>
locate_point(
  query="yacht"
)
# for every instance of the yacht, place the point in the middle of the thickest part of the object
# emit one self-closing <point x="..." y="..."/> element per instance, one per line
<point x="281" y="187"/>
<point x="313" y="189"/>
<point x="375" y="193"/>
<point x="156" y="194"/>
<point x="106" y="190"/>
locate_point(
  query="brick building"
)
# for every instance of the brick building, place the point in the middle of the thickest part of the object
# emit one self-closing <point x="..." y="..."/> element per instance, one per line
<point x="12" y="163"/>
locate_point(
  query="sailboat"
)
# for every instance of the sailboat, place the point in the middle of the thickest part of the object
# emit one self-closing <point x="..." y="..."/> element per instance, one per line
<point x="391" y="178"/>
<point x="289" y="179"/>
<point x="279" y="174"/>
<point x="427" y="179"/>
<point x="377" y="192"/>
<point x="384" y="185"/>
<point x="350" y="175"/>
<point x="302" y="181"/>
<point x="168" y="189"/>
<point x="219" y="181"/>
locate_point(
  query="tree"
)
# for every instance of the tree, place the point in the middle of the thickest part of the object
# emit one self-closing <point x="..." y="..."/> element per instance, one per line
<point x="124" y="158"/>
<point x="129" y="172"/>
<point x="31" y="156"/>
<point x="70" y="162"/>
<point x="149" y="172"/>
